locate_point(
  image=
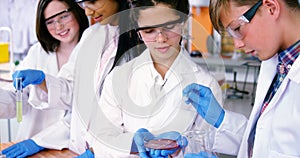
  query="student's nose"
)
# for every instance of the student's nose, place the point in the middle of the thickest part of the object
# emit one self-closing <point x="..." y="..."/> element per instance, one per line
<point x="238" y="43"/>
<point x="88" y="11"/>
<point x="58" y="25"/>
<point x="161" y="37"/>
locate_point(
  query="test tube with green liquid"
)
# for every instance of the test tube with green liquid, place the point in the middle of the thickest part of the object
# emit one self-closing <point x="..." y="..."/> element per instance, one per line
<point x="19" y="92"/>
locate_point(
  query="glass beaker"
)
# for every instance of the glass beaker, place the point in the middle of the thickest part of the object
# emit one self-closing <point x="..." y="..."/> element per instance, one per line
<point x="198" y="143"/>
<point x="4" y="52"/>
<point x="5" y="43"/>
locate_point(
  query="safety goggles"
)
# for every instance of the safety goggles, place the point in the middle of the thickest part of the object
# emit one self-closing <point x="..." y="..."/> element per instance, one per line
<point x="169" y="29"/>
<point x="234" y="28"/>
<point x="62" y="18"/>
<point x="90" y="4"/>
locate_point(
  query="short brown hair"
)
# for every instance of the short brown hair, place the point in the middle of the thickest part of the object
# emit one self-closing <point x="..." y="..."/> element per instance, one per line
<point x="216" y="6"/>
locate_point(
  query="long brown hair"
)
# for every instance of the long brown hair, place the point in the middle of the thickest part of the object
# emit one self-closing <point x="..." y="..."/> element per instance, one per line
<point x="48" y="42"/>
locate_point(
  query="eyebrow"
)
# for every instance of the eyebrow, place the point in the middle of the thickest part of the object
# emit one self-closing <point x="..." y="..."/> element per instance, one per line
<point x="66" y="10"/>
<point x="160" y="25"/>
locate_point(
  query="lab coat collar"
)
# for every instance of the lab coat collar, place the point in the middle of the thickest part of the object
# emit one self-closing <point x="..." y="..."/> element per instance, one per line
<point x="294" y="73"/>
<point x="182" y="65"/>
<point x="294" y="76"/>
<point x="140" y="66"/>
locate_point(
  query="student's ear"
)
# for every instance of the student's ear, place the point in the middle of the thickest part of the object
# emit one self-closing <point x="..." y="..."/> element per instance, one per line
<point x="273" y="7"/>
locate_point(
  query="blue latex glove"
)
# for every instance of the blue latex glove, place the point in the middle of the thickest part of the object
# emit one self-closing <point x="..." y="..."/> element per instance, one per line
<point x="29" y="76"/>
<point x="181" y="141"/>
<point x="87" y="154"/>
<point x="202" y="154"/>
<point x="23" y="149"/>
<point x="205" y="103"/>
<point x="143" y="134"/>
<point x="139" y="137"/>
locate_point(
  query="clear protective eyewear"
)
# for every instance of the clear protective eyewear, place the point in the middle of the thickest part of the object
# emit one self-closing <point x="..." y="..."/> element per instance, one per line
<point x="234" y="28"/>
<point x="169" y="29"/>
<point x="90" y="4"/>
<point x="63" y="18"/>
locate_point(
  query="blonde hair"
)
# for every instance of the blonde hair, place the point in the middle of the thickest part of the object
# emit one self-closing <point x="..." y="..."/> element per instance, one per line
<point x="217" y="6"/>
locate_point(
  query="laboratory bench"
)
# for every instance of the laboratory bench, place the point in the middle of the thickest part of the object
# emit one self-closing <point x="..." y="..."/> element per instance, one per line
<point x="237" y="70"/>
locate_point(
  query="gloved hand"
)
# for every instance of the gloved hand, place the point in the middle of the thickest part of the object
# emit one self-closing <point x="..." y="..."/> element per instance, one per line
<point x="205" y="103"/>
<point x="28" y="76"/>
<point x="202" y="154"/>
<point x="181" y="142"/>
<point x="23" y="149"/>
<point x="143" y="134"/>
<point x="87" y="154"/>
<point x="139" y="137"/>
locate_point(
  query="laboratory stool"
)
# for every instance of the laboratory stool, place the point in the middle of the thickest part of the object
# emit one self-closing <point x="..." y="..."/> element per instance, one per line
<point x="236" y="93"/>
<point x="256" y="68"/>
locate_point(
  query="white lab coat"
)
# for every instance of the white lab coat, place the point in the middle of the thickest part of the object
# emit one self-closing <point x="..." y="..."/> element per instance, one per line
<point x="277" y="132"/>
<point x="34" y="120"/>
<point x="85" y="70"/>
<point x="135" y="96"/>
<point x="60" y="90"/>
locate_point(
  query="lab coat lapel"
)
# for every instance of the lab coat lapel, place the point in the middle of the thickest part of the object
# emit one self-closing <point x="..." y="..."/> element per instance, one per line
<point x="86" y="63"/>
<point x="53" y="60"/>
<point x="94" y="43"/>
<point x="140" y="62"/>
<point x="183" y="72"/>
<point x="292" y="75"/>
<point x="111" y="44"/>
<point x="276" y="97"/>
<point x="266" y="75"/>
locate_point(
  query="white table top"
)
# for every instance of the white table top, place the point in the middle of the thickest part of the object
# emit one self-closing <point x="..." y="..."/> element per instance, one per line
<point x="219" y="61"/>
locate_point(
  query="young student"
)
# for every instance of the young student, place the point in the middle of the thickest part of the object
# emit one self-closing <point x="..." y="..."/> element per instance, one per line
<point x="144" y="96"/>
<point x="108" y="41"/>
<point x="59" y="27"/>
<point x="270" y="28"/>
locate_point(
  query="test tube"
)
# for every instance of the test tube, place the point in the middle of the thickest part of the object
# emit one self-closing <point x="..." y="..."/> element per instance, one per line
<point x="19" y="92"/>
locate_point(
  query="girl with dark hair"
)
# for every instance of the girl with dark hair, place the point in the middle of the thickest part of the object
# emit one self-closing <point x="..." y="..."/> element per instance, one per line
<point x="111" y="41"/>
<point x="59" y="26"/>
<point x="142" y="98"/>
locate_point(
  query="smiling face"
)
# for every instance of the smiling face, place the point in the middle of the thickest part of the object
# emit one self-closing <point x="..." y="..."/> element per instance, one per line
<point x="161" y="32"/>
<point x="61" y="23"/>
<point x="261" y="35"/>
<point x="102" y="10"/>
